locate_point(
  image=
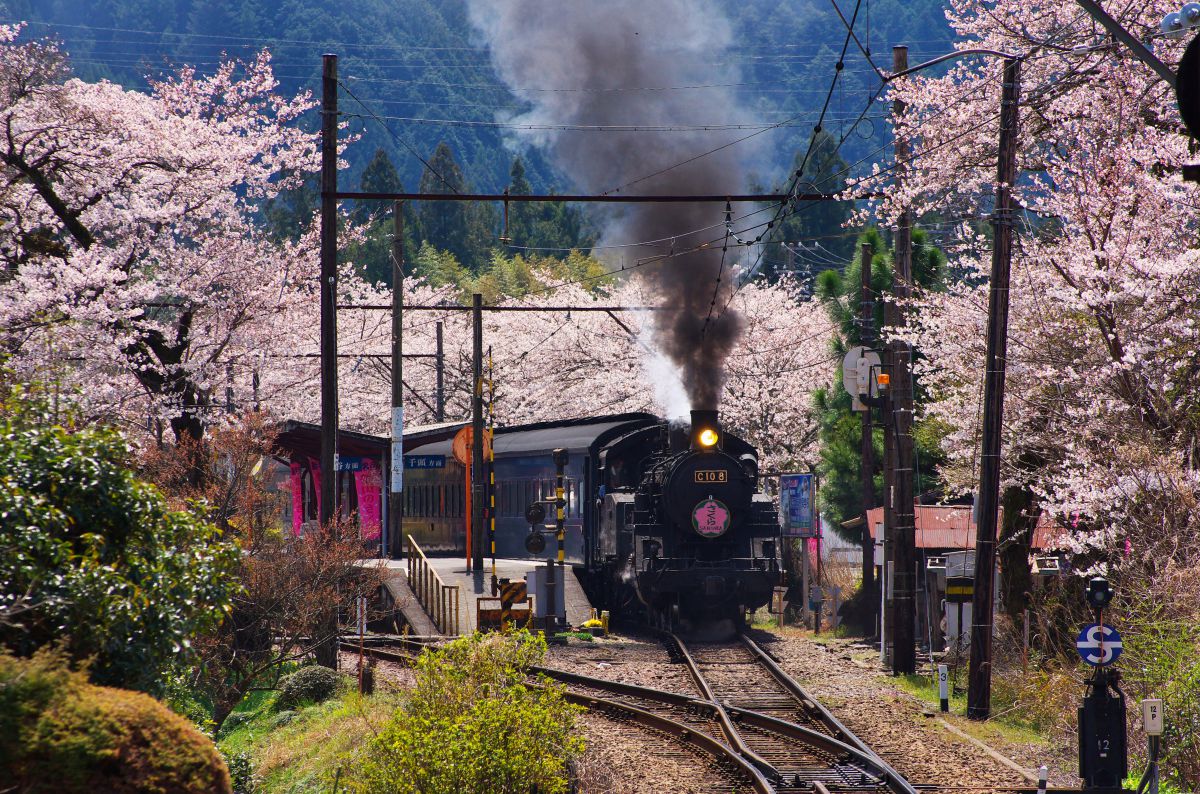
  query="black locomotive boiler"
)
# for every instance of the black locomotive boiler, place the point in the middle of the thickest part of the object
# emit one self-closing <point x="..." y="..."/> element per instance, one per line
<point x="683" y="535"/>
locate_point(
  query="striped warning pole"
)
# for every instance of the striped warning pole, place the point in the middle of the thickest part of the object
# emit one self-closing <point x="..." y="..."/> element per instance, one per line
<point x="491" y="462"/>
<point x="560" y="502"/>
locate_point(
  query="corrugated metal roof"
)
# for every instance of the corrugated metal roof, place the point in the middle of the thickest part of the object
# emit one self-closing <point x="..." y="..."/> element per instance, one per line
<point x="949" y="527"/>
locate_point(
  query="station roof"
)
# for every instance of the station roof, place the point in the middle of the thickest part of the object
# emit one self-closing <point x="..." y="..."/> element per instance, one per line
<point x="949" y="527"/>
<point x="570" y="434"/>
<point x="298" y="439"/>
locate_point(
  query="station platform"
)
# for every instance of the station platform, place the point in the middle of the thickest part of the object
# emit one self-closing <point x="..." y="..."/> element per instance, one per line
<point x="405" y="601"/>
<point x="472" y="585"/>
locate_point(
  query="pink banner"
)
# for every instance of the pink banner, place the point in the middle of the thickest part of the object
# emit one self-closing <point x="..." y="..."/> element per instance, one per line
<point x="297" y="498"/>
<point x="315" y="467"/>
<point x="369" y="485"/>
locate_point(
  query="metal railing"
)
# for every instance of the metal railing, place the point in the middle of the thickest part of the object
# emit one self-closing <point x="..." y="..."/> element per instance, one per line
<point x="439" y="599"/>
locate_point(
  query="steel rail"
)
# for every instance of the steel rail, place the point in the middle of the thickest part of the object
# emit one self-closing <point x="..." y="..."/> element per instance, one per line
<point x="897" y="781"/>
<point x="678" y="731"/>
<point x="791" y="730"/>
<point x="840" y="743"/>
<point x="731" y="732"/>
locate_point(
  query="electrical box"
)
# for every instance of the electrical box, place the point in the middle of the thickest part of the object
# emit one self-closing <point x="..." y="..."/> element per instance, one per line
<point x="535" y="583"/>
<point x="1103" y="756"/>
<point x="1152" y="716"/>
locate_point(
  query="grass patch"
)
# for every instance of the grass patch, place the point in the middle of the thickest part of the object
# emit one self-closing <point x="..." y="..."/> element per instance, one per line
<point x="1004" y="723"/>
<point x="301" y="751"/>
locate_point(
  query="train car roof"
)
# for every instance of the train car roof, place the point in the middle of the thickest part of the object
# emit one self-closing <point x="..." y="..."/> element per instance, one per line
<point x="569" y="434"/>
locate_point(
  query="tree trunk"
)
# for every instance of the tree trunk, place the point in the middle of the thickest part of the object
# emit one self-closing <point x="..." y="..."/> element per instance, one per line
<point x="1016" y="538"/>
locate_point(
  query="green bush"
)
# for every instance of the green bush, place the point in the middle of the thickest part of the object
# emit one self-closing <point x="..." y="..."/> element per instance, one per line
<point x="471" y="723"/>
<point x="312" y="684"/>
<point x="241" y="772"/>
<point x="60" y="734"/>
<point x="1159" y="661"/>
<point x="92" y="557"/>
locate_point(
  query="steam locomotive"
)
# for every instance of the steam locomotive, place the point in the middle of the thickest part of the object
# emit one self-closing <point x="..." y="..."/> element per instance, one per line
<point x="662" y="521"/>
<point x="683" y="535"/>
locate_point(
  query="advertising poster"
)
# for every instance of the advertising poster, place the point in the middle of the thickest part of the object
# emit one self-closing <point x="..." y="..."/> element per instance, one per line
<point x="796" y="505"/>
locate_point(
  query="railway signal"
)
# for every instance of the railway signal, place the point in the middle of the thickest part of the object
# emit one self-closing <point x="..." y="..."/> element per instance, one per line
<point x="1103" y="755"/>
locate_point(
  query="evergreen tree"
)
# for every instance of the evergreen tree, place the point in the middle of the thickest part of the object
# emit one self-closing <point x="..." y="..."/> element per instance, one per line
<point x="841" y="428"/>
<point x="521" y="213"/>
<point x="814" y="223"/>
<point x="379" y="176"/>
<point x="545" y="225"/>
<point x="373" y="256"/>
<point x="443" y="224"/>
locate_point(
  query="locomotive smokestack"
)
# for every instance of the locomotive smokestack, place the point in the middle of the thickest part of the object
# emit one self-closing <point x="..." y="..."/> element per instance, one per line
<point x="706" y="429"/>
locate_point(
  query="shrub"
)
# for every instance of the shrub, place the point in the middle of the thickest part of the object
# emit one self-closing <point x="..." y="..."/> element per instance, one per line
<point x="312" y="684"/>
<point x="60" y="734"/>
<point x="92" y="557"/>
<point x="241" y="773"/>
<point x="471" y="723"/>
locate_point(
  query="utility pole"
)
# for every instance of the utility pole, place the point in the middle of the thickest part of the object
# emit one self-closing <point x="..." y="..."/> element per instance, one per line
<point x="477" y="465"/>
<point x="979" y="682"/>
<point x="903" y="536"/>
<point x="396" y="491"/>
<point x="866" y="337"/>
<point x="329" y="407"/>
<point x="439" y="401"/>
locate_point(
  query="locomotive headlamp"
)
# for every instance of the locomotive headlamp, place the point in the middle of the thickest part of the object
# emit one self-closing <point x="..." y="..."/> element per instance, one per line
<point x="706" y="429"/>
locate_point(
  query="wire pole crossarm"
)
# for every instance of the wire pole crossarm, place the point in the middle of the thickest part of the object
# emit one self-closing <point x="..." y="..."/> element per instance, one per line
<point x="950" y="56"/>
<point x="459" y="308"/>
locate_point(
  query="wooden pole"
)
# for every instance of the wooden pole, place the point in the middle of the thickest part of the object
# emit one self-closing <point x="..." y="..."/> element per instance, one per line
<point x="440" y="362"/>
<point x="979" y="680"/>
<point x="866" y="337"/>
<point x="328" y="286"/>
<point x="396" y="489"/>
<point x="478" y="469"/>
<point x="904" y="659"/>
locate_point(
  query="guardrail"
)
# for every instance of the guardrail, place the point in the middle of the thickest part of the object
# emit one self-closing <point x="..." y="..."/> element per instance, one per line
<point x="439" y="599"/>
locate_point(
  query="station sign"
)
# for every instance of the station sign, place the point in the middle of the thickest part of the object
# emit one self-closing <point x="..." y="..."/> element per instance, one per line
<point x="1098" y="644"/>
<point x="424" y="461"/>
<point x="959" y="589"/>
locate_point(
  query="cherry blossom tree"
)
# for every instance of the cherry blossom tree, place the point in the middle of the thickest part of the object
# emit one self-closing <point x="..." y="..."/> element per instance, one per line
<point x="133" y="271"/>
<point x="549" y="364"/>
<point x="1100" y="423"/>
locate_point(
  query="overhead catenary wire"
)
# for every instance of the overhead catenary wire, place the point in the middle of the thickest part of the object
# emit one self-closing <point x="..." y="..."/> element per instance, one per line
<point x="412" y="149"/>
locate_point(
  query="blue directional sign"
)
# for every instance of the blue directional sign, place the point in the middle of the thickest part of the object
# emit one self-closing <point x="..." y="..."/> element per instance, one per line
<point x="1098" y="644"/>
<point x="424" y="461"/>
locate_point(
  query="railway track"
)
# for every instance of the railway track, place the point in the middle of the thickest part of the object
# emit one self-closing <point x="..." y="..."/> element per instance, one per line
<point x="770" y="720"/>
<point x="752" y="723"/>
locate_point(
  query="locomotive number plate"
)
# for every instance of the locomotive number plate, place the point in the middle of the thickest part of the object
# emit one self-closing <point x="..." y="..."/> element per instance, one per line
<point x="712" y="475"/>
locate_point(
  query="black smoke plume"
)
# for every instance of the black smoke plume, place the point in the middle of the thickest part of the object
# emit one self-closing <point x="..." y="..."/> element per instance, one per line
<point x="660" y="64"/>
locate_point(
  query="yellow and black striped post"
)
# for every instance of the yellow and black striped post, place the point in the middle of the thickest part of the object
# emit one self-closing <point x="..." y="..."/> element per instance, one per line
<point x="491" y="461"/>
<point x="560" y="503"/>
